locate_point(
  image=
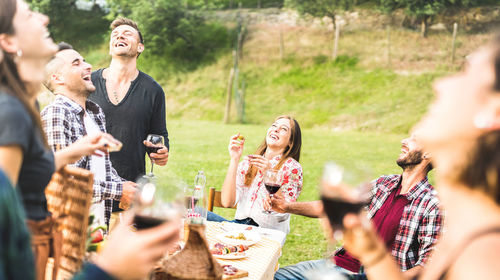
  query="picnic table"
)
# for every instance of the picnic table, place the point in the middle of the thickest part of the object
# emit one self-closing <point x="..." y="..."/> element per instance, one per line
<point x="262" y="258"/>
<point x="261" y="261"/>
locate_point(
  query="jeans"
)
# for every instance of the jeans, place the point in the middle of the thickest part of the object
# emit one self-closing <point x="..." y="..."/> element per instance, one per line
<point x="300" y="270"/>
<point x="211" y="216"/>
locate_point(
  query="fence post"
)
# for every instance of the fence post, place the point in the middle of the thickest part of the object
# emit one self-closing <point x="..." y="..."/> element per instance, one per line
<point x="336" y="42"/>
<point x="388" y="45"/>
<point x="455" y="27"/>
<point x="240" y="41"/>
<point x="240" y="97"/>
<point x="282" y="44"/>
<point x="229" y="94"/>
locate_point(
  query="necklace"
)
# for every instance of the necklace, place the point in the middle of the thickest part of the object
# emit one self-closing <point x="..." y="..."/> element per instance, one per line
<point x="116" y="96"/>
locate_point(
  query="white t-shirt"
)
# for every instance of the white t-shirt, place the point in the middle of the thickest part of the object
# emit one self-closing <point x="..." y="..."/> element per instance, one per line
<point x="98" y="168"/>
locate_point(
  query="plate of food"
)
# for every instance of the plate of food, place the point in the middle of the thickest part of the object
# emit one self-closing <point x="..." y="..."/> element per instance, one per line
<point x="232" y="256"/>
<point x="228" y="252"/>
<point x="239" y="237"/>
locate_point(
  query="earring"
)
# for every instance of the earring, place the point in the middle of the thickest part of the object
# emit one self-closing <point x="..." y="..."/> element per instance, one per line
<point x="19" y="53"/>
<point x="482" y="121"/>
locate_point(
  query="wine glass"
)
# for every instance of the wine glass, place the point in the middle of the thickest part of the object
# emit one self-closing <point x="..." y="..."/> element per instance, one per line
<point x="154" y="205"/>
<point x="272" y="181"/>
<point x="338" y="200"/>
<point x="338" y="196"/>
<point x="156" y="142"/>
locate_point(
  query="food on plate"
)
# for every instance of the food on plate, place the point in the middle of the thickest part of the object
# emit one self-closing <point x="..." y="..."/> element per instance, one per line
<point x="223" y="249"/>
<point x="240" y="236"/>
<point x="249" y="228"/>
<point x="229" y="269"/>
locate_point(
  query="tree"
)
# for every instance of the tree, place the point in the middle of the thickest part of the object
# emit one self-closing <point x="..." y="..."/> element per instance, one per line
<point x="320" y="8"/>
<point x="82" y="29"/>
<point x="172" y="31"/>
<point x="423" y="10"/>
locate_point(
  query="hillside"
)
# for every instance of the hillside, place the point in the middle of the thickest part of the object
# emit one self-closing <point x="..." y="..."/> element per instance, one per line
<point x="362" y="90"/>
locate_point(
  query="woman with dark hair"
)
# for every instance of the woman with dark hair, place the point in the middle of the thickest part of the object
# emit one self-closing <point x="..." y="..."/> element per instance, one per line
<point x="462" y="132"/>
<point x="26" y="159"/>
<point x="244" y="185"/>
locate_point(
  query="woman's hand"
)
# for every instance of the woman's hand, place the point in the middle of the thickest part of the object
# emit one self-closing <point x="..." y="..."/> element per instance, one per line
<point x="361" y="240"/>
<point x="236" y="146"/>
<point x="89" y="145"/>
<point x="86" y="146"/>
<point x="260" y="162"/>
<point x="132" y="255"/>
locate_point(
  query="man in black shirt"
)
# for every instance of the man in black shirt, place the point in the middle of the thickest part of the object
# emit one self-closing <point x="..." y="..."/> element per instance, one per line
<point x="133" y="102"/>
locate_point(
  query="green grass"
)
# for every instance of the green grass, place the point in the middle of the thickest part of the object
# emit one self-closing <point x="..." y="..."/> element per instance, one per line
<point x="202" y="145"/>
<point x="338" y="95"/>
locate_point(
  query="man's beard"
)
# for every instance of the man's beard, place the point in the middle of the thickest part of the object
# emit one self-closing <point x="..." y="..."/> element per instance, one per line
<point x="411" y="160"/>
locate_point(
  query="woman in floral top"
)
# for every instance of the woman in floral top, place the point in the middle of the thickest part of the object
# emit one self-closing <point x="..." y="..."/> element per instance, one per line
<point x="244" y="185"/>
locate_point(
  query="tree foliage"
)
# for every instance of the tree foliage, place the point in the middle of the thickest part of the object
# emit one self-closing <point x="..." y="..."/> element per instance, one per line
<point x="320" y="8"/>
<point x="172" y="31"/>
<point x="82" y="29"/>
<point x="422" y="10"/>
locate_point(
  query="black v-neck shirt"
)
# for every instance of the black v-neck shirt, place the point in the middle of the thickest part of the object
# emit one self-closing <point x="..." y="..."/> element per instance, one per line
<point x="139" y="113"/>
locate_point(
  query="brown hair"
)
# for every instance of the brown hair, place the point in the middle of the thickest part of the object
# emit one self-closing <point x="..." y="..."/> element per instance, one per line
<point x="10" y="81"/>
<point x="291" y="151"/>
<point x="482" y="169"/>
<point x="125" y="21"/>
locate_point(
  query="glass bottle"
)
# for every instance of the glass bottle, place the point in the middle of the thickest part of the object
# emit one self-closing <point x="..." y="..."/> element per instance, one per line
<point x="197" y="209"/>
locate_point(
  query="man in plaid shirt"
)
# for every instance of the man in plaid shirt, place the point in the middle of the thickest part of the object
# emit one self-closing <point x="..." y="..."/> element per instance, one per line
<point x="71" y="116"/>
<point x="404" y="209"/>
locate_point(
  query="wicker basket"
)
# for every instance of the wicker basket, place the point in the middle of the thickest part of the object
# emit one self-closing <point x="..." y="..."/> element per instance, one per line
<point x="69" y="195"/>
<point x="193" y="262"/>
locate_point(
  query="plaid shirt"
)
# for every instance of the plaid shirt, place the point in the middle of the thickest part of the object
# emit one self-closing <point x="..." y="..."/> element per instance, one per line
<point x="63" y="123"/>
<point x="420" y="224"/>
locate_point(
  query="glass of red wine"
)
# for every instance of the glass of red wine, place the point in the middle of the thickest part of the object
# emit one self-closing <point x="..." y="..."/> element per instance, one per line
<point x="340" y="198"/>
<point x="272" y="181"/>
<point x="156" y="142"/>
<point x="154" y="205"/>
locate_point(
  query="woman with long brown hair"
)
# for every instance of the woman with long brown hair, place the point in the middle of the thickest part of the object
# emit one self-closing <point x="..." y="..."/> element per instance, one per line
<point x="25" y="48"/>
<point x="462" y="132"/>
<point x="244" y="185"/>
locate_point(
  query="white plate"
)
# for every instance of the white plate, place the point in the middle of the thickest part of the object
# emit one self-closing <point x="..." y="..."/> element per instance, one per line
<point x="251" y="237"/>
<point x="232" y="256"/>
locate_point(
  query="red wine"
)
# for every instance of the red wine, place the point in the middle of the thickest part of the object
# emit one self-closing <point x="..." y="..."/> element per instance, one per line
<point x="150" y="150"/>
<point x="336" y="209"/>
<point x="143" y="222"/>
<point x="272" y="188"/>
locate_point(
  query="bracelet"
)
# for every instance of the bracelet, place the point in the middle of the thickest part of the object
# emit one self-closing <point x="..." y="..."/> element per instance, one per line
<point x="376" y="260"/>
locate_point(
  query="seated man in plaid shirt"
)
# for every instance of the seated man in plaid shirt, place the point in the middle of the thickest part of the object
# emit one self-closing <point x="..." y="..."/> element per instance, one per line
<point x="71" y="116"/>
<point x="404" y="209"/>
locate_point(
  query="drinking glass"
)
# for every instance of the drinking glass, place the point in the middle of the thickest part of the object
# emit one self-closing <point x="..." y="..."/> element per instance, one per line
<point x="272" y="181"/>
<point x="339" y="199"/>
<point x="338" y="196"/>
<point x="156" y="142"/>
<point x="155" y="204"/>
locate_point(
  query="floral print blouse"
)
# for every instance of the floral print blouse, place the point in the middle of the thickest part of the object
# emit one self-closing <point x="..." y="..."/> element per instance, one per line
<point x="250" y="198"/>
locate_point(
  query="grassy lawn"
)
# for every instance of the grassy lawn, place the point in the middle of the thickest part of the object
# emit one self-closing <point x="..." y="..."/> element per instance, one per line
<point x="202" y="145"/>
